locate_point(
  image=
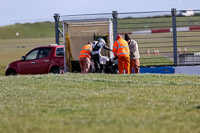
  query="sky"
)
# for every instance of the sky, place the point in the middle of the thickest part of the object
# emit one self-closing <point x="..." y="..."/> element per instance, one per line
<point x="20" y="11"/>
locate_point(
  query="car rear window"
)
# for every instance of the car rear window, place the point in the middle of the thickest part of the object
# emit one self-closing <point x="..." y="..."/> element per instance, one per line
<point x="44" y="52"/>
<point x="60" y="52"/>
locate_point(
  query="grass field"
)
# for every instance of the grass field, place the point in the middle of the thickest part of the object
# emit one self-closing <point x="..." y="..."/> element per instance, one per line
<point x="28" y="30"/>
<point x="100" y="103"/>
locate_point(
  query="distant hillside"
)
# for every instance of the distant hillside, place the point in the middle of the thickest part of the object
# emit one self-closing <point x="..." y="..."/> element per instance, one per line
<point x="28" y="30"/>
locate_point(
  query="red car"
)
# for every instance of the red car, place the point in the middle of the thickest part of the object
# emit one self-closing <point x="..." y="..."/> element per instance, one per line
<point x="41" y="60"/>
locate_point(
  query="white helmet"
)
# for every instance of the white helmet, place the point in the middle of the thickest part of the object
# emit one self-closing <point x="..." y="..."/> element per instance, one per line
<point x="101" y="41"/>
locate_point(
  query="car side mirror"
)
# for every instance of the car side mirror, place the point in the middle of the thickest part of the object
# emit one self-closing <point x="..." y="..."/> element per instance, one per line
<point x="22" y="58"/>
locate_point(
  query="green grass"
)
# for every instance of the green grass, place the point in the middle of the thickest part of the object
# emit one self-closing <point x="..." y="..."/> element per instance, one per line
<point x="28" y="30"/>
<point x="100" y="103"/>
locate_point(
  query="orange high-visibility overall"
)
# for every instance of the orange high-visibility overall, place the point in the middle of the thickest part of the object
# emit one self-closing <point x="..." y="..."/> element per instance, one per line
<point x="121" y="49"/>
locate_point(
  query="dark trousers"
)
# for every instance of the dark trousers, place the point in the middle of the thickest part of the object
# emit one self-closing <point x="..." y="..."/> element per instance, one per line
<point x="96" y="63"/>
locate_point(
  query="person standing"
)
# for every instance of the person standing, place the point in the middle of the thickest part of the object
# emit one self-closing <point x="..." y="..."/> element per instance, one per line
<point x="84" y="57"/>
<point x="96" y="53"/>
<point x="121" y="50"/>
<point x="134" y="54"/>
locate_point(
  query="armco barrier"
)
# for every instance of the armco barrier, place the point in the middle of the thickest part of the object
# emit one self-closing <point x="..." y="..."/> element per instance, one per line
<point x="161" y="70"/>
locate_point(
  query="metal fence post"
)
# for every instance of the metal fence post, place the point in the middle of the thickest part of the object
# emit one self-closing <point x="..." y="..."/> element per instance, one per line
<point x="115" y="14"/>
<point x="56" y="18"/>
<point x="173" y="11"/>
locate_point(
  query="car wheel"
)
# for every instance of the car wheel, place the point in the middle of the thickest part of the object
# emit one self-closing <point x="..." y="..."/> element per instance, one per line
<point x="56" y="71"/>
<point x="11" y="73"/>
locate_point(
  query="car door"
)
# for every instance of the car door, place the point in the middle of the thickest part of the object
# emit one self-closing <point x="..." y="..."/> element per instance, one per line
<point x="43" y="60"/>
<point x="27" y="66"/>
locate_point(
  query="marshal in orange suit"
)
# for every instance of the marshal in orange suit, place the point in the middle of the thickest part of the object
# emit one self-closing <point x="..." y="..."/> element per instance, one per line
<point x="121" y="50"/>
